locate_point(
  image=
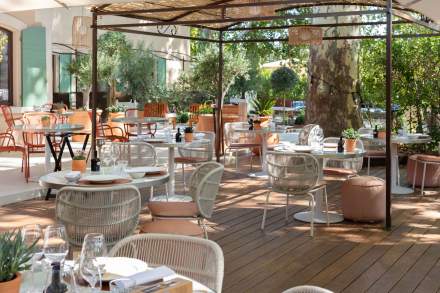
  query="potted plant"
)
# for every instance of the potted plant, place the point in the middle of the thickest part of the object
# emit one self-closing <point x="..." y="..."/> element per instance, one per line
<point x="15" y="256"/>
<point x="262" y="107"/>
<point x="351" y="136"/>
<point x="205" y="119"/>
<point x="79" y="162"/>
<point x="45" y="121"/>
<point x="381" y="132"/>
<point x="188" y="133"/>
<point x="116" y="111"/>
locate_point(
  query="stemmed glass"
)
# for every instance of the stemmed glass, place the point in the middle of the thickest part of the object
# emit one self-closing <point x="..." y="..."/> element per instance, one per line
<point x="55" y="247"/>
<point x="32" y="235"/>
<point x="90" y="270"/>
<point x="114" y="152"/>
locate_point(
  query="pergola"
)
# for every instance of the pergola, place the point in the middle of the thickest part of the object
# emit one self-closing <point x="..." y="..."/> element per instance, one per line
<point x="233" y="15"/>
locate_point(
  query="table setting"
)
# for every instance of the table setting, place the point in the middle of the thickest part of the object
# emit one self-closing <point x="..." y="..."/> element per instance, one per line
<point x="93" y="270"/>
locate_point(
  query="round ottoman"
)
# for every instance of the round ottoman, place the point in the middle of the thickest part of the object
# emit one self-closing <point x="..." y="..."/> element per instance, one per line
<point x="363" y="199"/>
<point x="432" y="177"/>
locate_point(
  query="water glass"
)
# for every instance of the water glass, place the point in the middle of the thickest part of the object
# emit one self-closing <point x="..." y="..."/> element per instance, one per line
<point x="122" y="285"/>
<point x="122" y="166"/>
<point x="90" y="270"/>
<point x="55" y="246"/>
<point x="33" y="235"/>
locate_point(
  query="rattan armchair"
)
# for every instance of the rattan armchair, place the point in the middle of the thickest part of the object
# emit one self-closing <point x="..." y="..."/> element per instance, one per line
<point x="294" y="174"/>
<point x="307" y="289"/>
<point x="199" y="259"/>
<point x="309" y="134"/>
<point x="197" y="205"/>
<point x="112" y="211"/>
<point x="196" y="152"/>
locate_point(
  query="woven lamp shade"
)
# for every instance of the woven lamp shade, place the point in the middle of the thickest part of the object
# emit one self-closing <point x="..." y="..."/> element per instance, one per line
<point x="303" y="35"/>
<point x="81" y="32"/>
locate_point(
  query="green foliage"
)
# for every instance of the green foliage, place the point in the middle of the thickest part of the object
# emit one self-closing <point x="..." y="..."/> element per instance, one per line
<point x="116" y="108"/>
<point x="350" y="133"/>
<point x="205" y="109"/>
<point x="3" y="42"/>
<point x="14" y="255"/>
<point x="300" y="119"/>
<point x="283" y="80"/>
<point x="182" y="117"/>
<point x="262" y="106"/>
<point x="79" y="155"/>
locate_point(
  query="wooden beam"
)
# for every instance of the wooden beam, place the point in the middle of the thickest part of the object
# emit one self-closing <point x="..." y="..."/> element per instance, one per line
<point x="389" y="114"/>
<point x="255" y="18"/>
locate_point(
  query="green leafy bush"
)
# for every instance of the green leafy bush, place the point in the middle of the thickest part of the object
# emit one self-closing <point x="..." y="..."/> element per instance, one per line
<point x="262" y="106"/>
<point x="116" y="108"/>
<point x="14" y="255"/>
<point x="350" y="133"/>
<point x="182" y="117"/>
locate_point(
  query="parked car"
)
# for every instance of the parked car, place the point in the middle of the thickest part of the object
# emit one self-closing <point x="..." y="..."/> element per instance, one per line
<point x="298" y="105"/>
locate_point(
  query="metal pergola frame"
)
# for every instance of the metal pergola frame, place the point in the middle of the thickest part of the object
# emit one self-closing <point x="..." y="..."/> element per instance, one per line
<point x="230" y="25"/>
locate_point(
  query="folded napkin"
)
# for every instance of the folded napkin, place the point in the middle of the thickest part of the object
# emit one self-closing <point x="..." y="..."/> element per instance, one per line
<point x="146" y="277"/>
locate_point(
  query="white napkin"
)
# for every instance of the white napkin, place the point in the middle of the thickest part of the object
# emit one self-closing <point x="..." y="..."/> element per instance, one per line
<point x="154" y="275"/>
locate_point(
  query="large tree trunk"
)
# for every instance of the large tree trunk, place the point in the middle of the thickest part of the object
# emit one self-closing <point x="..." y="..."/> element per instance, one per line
<point x="333" y="78"/>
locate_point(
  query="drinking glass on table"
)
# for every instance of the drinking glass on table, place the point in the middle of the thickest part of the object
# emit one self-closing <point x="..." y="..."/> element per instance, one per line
<point x="32" y="236"/>
<point x="55" y="246"/>
<point x="115" y="153"/>
<point x="122" y="166"/>
<point x="90" y="270"/>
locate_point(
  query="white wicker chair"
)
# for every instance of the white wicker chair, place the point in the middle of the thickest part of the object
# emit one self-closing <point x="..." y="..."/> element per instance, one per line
<point x="196" y="152"/>
<point x="239" y="141"/>
<point x="307" y="289"/>
<point x="199" y="203"/>
<point x="309" y="134"/>
<point x="199" y="259"/>
<point x="294" y="174"/>
<point x="373" y="150"/>
<point x="137" y="153"/>
<point x="112" y="211"/>
<point x="343" y="168"/>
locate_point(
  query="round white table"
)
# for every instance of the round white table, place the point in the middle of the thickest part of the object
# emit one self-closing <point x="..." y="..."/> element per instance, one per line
<point x="139" y="121"/>
<point x="320" y="213"/>
<point x="56" y="180"/>
<point x="396" y="188"/>
<point x="263" y="133"/>
<point x="63" y="130"/>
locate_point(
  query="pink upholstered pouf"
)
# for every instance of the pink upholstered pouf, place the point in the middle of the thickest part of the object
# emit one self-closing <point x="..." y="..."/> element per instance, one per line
<point x="363" y="199"/>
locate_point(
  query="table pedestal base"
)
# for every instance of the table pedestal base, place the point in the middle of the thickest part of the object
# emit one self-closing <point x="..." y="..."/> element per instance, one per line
<point x="401" y="190"/>
<point x="319" y="218"/>
<point x="259" y="175"/>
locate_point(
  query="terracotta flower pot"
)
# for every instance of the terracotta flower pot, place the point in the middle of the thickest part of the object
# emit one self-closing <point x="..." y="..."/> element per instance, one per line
<point x="188" y="137"/>
<point x="80" y="117"/>
<point x="350" y="145"/>
<point x="381" y="134"/>
<point x="45" y="122"/>
<point x="79" y="165"/>
<point x="205" y="122"/>
<point x="12" y="286"/>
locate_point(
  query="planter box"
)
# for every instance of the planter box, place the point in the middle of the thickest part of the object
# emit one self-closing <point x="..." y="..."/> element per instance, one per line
<point x="205" y="123"/>
<point x="80" y="117"/>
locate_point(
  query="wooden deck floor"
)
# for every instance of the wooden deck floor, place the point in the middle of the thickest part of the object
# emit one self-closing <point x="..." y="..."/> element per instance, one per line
<point x="345" y="257"/>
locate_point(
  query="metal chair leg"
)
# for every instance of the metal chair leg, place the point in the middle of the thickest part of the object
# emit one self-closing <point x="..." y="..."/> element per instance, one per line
<point x="286" y="217"/>
<point x="312" y="211"/>
<point x="423" y="178"/>
<point x="183" y="177"/>
<point x="326" y="205"/>
<point x="414" y="176"/>
<point x="263" y="222"/>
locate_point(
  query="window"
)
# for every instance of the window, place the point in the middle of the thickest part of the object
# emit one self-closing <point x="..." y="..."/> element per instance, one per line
<point x="5" y="67"/>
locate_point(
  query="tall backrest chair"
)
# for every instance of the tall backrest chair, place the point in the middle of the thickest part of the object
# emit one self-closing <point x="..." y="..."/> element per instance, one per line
<point x="137" y="153"/>
<point x="373" y="149"/>
<point x="196" y="258"/>
<point x="294" y="174"/>
<point x="310" y="133"/>
<point x="343" y="167"/>
<point x="112" y="211"/>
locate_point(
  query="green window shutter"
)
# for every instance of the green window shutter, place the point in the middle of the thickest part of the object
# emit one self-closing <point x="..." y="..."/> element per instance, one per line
<point x="33" y="66"/>
<point x="161" y="71"/>
<point x="65" y="77"/>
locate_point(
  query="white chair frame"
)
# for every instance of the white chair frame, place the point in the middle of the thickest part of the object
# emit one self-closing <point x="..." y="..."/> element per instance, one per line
<point x="199" y="259"/>
<point x="308" y="191"/>
<point x="422" y="187"/>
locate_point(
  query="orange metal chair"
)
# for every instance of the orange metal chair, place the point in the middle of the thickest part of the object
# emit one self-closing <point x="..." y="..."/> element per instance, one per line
<point x="34" y="141"/>
<point x="155" y="110"/>
<point x="131" y="129"/>
<point x="107" y="132"/>
<point x="194" y="113"/>
<point x="7" y="144"/>
<point x="9" y="118"/>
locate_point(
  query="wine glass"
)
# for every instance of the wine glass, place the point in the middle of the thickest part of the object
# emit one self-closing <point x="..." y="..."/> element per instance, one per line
<point x="32" y="236"/>
<point x="114" y="152"/>
<point x="55" y="246"/>
<point x="90" y="269"/>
